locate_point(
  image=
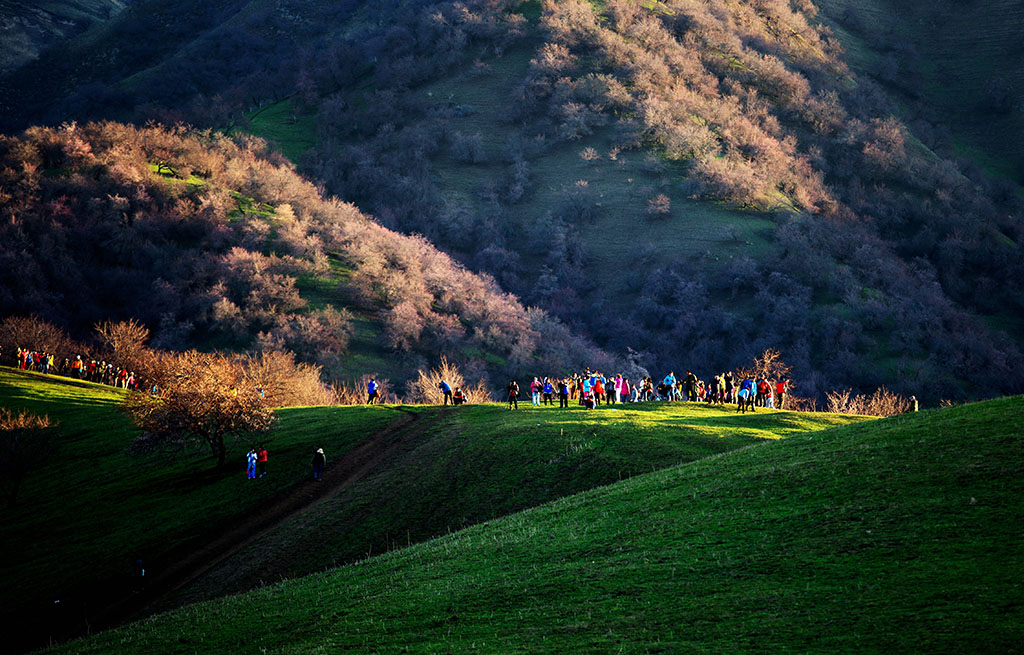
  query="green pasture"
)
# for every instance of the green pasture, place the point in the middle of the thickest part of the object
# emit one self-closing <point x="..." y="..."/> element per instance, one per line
<point x="475" y="463"/>
<point x="293" y="133"/>
<point x="899" y="535"/>
<point x="95" y="507"/>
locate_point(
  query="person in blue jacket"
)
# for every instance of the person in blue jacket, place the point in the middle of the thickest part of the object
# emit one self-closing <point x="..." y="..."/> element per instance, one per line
<point x="446" y="389"/>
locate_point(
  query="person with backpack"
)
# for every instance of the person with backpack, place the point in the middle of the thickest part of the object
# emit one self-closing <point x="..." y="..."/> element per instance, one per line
<point x="458" y="398"/>
<point x="250" y="468"/>
<point x="563" y="394"/>
<point x="371" y="391"/>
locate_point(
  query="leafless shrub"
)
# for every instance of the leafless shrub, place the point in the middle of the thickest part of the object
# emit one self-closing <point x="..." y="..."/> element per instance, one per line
<point x="355" y="393"/>
<point x="425" y="389"/>
<point x="880" y="403"/>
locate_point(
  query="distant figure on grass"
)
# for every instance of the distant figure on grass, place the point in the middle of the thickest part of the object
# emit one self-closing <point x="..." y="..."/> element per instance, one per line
<point x="913" y="403"/>
<point x="513" y="395"/>
<point x="371" y="391"/>
<point x="746" y="396"/>
<point x="458" y="398"/>
<point x="535" y="388"/>
<point x="549" y="391"/>
<point x="670" y="385"/>
<point x="446" y="389"/>
<point x="563" y="394"/>
<point x="251" y="464"/>
<point x="319" y="461"/>
<point x="261" y="460"/>
<point x="781" y="387"/>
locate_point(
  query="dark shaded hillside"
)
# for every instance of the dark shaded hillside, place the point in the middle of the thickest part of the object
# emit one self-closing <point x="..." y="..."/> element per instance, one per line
<point x="691" y="180"/>
<point x="214" y="240"/>
<point x="957" y="67"/>
<point x="29" y="28"/>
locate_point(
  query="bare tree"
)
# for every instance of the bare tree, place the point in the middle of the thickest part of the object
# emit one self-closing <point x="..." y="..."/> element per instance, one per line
<point x="205" y="398"/>
<point x="425" y="387"/>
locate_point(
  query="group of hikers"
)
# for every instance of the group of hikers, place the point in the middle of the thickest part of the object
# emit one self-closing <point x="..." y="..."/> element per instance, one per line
<point x="592" y="388"/>
<point x="78" y="368"/>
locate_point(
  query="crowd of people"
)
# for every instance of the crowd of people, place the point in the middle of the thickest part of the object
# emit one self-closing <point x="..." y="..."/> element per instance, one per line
<point x="81" y="369"/>
<point x="592" y="388"/>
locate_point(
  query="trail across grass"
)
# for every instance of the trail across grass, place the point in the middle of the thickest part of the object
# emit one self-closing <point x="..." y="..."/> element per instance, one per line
<point x="895" y="535"/>
<point x="82" y="521"/>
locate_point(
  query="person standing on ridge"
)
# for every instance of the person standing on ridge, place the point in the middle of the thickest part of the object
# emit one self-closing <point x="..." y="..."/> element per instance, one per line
<point x="446" y="389"/>
<point x="670" y="383"/>
<point x="513" y="395"/>
<point x="563" y="394"/>
<point x="371" y="391"/>
<point x="781" y="388"/>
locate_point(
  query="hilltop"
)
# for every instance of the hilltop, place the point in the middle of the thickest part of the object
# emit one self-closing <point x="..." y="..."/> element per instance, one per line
<point x="396" y="476"/>
<point x="899" y="534"/>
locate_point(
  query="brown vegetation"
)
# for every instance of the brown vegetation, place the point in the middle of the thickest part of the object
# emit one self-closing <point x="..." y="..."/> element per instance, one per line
<point x="26" y="442"/>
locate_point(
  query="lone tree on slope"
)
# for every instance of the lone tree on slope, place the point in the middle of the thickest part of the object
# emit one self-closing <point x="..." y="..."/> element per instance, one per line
<point x="205" y="398"/>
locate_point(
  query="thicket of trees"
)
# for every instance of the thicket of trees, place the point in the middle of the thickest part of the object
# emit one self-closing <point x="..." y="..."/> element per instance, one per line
<point x="213" y="251"/>
<point x="884" y="254"/>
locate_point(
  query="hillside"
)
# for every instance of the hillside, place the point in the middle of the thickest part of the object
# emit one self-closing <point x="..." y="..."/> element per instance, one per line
<point x="396" y="476"/>
<point x="29" y="29"/>
<point x="215" y="241"/>
<point x="897" y="535"/>
<point x="692" y="181"/>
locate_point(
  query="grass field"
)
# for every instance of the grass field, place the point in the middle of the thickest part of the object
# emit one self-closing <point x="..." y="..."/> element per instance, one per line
<point x="901" y="535"/>
<point x="95" y="508"/>
<point x="82" y="521"/>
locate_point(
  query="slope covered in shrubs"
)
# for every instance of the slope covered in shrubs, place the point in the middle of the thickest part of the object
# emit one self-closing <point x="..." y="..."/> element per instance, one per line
<point x="209" y="239"/>
<point x="692" y="180"/>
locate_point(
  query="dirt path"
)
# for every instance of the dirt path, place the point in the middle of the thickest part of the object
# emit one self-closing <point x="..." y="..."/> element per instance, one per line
<point x="117" y="604"/>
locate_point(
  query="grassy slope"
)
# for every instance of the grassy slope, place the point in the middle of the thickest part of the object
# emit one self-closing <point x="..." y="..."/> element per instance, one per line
<point x="83" y="521"/>
<point x="963" y="48"/>
<point x="98" y="505"/>
<point x="480" y="462"/>
<point x="902" y="535"/>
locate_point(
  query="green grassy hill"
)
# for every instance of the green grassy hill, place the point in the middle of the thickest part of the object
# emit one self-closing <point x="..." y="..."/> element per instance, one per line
<point x="400" y="475"/>
<point x="898" y="535"/>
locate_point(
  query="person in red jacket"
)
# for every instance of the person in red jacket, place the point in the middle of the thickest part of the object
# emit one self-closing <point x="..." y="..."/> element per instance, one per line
<point x="261" y="460"/>
<point x="781" y="387"/>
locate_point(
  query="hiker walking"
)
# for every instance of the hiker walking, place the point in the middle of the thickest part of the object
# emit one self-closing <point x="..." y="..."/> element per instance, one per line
<point x="318" y="463"/>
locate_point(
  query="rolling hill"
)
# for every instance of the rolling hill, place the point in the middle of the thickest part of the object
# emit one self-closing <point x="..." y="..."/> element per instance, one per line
<point x="899" y="535"/>
<point x="396" y="476"/>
